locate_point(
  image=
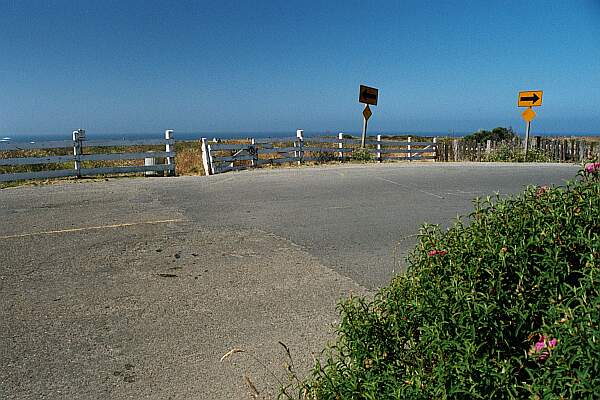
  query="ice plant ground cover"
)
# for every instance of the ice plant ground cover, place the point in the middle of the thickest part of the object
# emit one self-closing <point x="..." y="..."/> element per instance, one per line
<point x="504" y="304"/>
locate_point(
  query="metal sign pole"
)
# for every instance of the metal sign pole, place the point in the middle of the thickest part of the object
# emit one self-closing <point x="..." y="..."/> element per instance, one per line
<point x="527" y="137"/>
<point x="364" y="131"/>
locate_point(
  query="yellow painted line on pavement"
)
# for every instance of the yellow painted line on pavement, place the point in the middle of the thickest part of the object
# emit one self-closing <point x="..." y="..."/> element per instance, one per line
<point x="91" y="228"/>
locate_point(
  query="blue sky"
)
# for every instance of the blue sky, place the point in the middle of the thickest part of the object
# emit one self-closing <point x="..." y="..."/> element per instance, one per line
<point x="277" y="66"/>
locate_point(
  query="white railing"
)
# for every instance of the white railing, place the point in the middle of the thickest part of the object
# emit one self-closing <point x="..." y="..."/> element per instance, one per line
<point x="221" y="157"/>
<point x="78" y="146"/>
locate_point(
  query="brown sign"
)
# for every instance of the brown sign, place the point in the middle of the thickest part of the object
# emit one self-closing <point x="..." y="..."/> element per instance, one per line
<point x="368" y="95"/>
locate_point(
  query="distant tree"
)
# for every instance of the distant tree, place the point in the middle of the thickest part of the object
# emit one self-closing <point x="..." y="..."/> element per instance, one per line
<point x="496" y="134"/>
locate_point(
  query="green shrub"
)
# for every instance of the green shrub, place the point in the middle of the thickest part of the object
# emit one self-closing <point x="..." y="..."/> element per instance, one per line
<point x="324" y="156"/>
<point x="510" y="154"/>
<point x="361" y="155"/>
<point x="464" y="320"/>
<point x="496" y="135"/>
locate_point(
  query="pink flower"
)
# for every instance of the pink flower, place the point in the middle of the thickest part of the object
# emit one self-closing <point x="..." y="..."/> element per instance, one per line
<point x="541" y="190"/>
<point x="540" y="345"/>
<point x="592" y="168"/>
<point x="437" y="253"/>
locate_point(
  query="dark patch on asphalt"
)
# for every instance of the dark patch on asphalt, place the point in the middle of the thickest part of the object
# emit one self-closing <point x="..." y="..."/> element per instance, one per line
<point x="128" y="373"/>
<point x="167" y="275"/>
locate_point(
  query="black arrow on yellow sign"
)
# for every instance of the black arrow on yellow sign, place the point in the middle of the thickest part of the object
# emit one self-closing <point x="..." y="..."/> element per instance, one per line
<point x="533" y="99"/>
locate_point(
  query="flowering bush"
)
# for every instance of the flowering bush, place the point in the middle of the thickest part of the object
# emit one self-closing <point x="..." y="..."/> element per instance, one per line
<point x="509" y="309"/>
<point x="437" y="253"/>
<point x="592" y="168"/>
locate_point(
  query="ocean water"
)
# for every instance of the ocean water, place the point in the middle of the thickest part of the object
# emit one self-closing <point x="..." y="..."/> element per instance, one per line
<point x="145" y="135"/>
<point x="176" y="135"/>
<point x="237" y="135"/>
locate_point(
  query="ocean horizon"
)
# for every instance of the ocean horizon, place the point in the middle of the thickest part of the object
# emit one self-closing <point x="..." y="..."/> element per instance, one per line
<point x="188" y="136"/>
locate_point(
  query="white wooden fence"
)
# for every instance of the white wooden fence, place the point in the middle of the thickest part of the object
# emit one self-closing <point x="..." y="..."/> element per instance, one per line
<point x="78" y="145"/>
<point x="221" y="157"/>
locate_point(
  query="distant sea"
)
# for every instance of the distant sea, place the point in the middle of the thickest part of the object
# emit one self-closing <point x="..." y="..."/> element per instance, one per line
<point x="198" y="136"/>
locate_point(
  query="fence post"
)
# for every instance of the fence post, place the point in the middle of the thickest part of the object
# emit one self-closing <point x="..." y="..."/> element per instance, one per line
<point x="488" y="147"/>
<point x="150" y="162"/>
<point x="170" y="148"/>
<point x="78" y="137"/>
<point x="408" y="139"/>
<point x="341" y="146"/>
<point x="254" y="160"/>
<point x="455" y="149"/>
<point x="300" y="137"/>
<point x="206" y="164"/>
<point x="478" y="151"/>
<point x="379" y="148"/>
<point x="435" y="148"/>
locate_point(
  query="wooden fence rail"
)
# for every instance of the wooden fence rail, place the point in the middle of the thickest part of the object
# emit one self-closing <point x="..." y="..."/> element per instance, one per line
<point x="222" y="157"/>
<point x="56" y="164"/>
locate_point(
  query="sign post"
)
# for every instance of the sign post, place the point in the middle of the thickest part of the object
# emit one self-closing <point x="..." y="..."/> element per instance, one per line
<point x="527" y="129"/>
<point x="367" y="95"/>
<point x="529" y="99"/>
<point x="366" y="114"/>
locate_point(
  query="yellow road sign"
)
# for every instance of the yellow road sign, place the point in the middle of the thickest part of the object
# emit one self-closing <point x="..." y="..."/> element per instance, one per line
<point x="367" y="112"/>
<point x="531" y="98"/>
<point x="528" y="115"/>
<point x="368" y="95"/>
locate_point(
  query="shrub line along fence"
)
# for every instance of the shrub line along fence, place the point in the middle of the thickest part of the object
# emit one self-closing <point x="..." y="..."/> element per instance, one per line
<point x="222" y="157"/>
<point x="555" y="149"/>
<point x="78" y="145"/>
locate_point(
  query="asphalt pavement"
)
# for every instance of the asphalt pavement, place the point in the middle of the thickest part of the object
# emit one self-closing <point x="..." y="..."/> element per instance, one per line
<point x="135" y="288"/>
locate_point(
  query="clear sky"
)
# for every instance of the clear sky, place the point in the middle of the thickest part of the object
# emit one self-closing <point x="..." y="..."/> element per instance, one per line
<point x="246" y="66"/>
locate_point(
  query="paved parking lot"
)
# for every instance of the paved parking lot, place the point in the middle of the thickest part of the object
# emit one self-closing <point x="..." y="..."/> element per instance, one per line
<point x="135" y="288"/>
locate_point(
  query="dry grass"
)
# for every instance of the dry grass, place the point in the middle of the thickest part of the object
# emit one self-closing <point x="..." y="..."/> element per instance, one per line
<point x="189" y="158"/>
